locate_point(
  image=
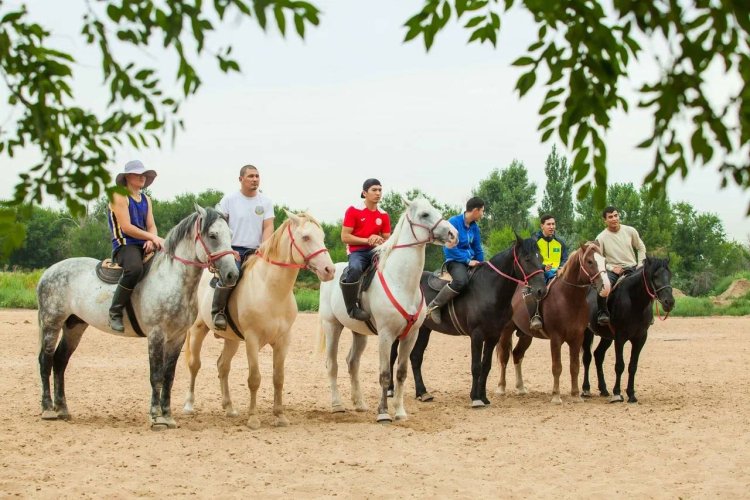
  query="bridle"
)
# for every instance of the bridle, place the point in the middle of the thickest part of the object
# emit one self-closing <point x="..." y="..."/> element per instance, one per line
<point x="654" y="295"/>
<point x="430" y="230"/>
<point x="293" y="246"/>
<point x="212" y="257"/>
<point x="591" y="278"/>
<point x="516" y="264"/>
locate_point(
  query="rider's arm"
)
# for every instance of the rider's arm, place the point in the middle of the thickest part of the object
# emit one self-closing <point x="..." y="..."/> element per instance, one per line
<point x="267" y="229"/>
<point x="640" y="247"/>
<point x="119" y="207"/>
<point x="477" y="245"/>
<point x="348" y="238"/>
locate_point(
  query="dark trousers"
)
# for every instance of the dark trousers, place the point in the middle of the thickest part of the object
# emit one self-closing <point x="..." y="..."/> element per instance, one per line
<point x="358" y="262"/>
<point x="459" y="273"/>
<point x="244" y="252"/>
<point x="130" y="258"/>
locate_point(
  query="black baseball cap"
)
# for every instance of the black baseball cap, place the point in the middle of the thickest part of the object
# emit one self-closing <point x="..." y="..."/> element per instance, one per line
<point x="368" y="184"/>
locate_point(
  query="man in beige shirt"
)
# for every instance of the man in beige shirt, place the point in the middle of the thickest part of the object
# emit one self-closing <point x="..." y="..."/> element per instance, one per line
<point x="619" y="244"/>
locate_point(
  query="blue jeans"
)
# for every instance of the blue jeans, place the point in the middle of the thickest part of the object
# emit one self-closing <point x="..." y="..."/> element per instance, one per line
<point x="244" y="252"/>
<point x="358" y="262"/>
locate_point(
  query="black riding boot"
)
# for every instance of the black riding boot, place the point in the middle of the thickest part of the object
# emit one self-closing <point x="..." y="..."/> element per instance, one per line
<point x="119" y="300"/>
<point x="602" y="315"/>
<point x="221" y="296"/>
<point x="445" y="295"/>
<point x="349" y="291"/>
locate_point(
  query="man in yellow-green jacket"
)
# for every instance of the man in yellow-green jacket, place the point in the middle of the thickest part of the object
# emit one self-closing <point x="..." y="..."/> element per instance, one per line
<point x="554" y="254"/>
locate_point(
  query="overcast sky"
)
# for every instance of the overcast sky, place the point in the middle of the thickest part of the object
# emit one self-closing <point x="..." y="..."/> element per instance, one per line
<point x="352" y="101"/>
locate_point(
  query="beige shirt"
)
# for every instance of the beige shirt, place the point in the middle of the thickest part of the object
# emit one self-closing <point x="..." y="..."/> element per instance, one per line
<point x="619" y="248"/>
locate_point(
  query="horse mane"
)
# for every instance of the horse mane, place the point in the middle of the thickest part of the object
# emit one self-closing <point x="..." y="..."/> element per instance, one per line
<point x="183" y="229"/>
<point x="271" y="248"/>
<point x="528" y="246"/>
<point x="564" y="271"/>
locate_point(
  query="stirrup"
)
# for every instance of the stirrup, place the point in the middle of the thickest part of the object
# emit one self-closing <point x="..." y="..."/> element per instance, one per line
<point x="536" y="322"/>
<point x="602" y="319"/>
<point x="220" y="321"/>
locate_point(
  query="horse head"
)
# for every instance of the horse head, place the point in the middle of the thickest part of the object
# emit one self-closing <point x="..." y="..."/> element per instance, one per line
<point x="213" y="244"/>
<point x="426" y="220"/>
<point x="591" y="263"/>
<point x="529" y="263"/>
<point x="657" y="279"/>
<point x="307" y="245"/>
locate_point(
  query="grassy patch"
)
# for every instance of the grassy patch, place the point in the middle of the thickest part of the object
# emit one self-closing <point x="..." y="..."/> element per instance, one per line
<point x="693" y="306"/>
<point x="307" y="299"/>
<point x="723" y="284"/>
<point x="18" y="289"/>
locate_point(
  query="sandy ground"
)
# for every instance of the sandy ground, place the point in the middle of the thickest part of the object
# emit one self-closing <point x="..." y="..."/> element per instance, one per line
<point x="688" y="437"/>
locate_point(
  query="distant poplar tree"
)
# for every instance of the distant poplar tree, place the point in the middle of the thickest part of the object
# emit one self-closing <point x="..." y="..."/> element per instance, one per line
<point x="558" y="193"/>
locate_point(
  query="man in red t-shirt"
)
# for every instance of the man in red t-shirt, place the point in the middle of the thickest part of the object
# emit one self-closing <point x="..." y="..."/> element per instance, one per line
<point x="364" y="227"/>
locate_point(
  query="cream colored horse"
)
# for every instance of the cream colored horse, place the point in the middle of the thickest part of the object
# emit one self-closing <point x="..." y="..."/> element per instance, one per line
<point x="263" y="309"/>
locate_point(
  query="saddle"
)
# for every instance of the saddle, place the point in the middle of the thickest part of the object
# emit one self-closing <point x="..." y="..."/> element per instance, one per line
<point x="441" y="277"/>
<point x="110" y="272"/>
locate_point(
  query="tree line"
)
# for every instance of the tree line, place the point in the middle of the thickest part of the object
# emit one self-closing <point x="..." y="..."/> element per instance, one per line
<point x="697" y="244"/>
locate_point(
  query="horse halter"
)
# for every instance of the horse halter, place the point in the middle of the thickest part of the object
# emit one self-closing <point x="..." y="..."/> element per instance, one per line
<point x="580" y="266"/>
<point x="212" y="257"/>
<point x="431" y="231"/>
<point x="653" y="295"/>
<point x="517" y="264"/>
<point x="293" y="246"/>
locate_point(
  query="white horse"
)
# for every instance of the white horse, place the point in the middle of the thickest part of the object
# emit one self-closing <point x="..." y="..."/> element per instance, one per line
<point x="71" y="297"/>
<point x="263" y="309"/>
<point x="394" y="300"/>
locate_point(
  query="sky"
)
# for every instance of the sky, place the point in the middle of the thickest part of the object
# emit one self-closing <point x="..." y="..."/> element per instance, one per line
<point x="352" y="101"/>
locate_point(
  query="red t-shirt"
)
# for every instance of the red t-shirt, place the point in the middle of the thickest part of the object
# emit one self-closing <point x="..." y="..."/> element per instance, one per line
<point x="365" y="223"/>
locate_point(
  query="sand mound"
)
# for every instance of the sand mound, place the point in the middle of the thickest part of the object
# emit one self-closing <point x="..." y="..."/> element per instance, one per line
<point x="738" y="288"/>
<point x="676" y="292"/>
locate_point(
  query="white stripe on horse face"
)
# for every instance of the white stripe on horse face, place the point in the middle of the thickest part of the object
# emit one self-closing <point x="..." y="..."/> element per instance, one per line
<point x="600" y="263"/>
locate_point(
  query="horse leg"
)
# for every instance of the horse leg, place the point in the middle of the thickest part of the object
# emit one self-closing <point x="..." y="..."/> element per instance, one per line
<point x="223" y="366"/>
<point x="416" y="357"/>
<point x="504" y="347"/>
<point x="574" y="350"/>
<point x="635" y="352"/>
<point x="489" y="348"/>
<point x="405" y="347"/>
<point x="588" y="339"/>
<point x="172" y="348"/>
<point x="522" y="345"/>
<point x="477" y="342"/>
<point x="49" y="331"/>
<point x="394" y="355"/>
<point x="253" y="379"/>
<point x="359" y="342"/>
<point x="193" y="345"/>
<point x="599" y="353"/>
<point x="619" y="368"/>
<point x="555" y="348"/>
<point x="279" y="356"/>
<point x="71" y="337"/>
<point x="156" y="368"/>
<point x="332" y="331"/>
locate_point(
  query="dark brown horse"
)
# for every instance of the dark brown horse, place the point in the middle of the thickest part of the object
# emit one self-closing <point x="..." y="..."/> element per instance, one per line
<point x="566" y="315"/>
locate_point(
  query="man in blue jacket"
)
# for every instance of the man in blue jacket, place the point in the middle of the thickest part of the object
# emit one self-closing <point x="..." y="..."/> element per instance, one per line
<point x="467" y="253"/>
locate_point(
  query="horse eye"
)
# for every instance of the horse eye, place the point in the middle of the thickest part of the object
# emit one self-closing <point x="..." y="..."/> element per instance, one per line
<point x="305" y="238"/>
<point x="213" y="236"/>
<point x="425" y="215"/>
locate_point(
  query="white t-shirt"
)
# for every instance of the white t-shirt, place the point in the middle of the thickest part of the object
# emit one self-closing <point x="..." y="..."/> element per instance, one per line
<point x="246" y="216"/>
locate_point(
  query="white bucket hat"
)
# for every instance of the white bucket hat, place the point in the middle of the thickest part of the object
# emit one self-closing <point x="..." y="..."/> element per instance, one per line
<point x="135" y="167"/>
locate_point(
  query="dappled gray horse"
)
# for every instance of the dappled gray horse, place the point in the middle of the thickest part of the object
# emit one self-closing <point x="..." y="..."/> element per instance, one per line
<point x="71" y="297"/>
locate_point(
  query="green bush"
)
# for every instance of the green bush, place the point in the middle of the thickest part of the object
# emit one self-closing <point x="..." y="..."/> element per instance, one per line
<point x="723" y="284"/>
<point x="307" y="299"/>
<point x="693" y="306"/>
<point x="18" y="289"/>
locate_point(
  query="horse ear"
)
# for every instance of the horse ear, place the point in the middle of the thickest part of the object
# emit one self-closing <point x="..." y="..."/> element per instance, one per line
<point x="201" y="211"/>
<point x="293" y="217"/>
<point x="405" y="201"/>
<point x="519" y="240"/>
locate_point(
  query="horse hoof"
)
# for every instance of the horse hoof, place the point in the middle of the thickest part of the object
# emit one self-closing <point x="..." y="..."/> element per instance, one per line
<point x="577" y="399"/>
<point x="389" y="393"/>
<point x="49" y="415"/>
<point x="500" y="391"/>
<point x="338" y="409"/>
<point x="632" y="401"/>
<point x="556" y="400"/>
<point x="281" y="421"/>
<point x="616" y="399"/>
<point x="384" y="418"/>
<point x="604" y="394"/>
<point x="425" y="397"/>
<point x="232" y="413"/>
<point x="188" y="410"/>
<point x="586" y="394"/>
<point x="63" y="414"/>
<point x="477" y="403"/>
<point x="253" y="423"/>
<point x="401" y="417"/>
<point x="158" y="423"/>
<point x="522" y="391"/>
<point x="170" y="422"/>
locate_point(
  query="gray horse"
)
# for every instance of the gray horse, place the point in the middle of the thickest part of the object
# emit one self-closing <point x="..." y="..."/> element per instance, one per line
<point x="71" y="297"/>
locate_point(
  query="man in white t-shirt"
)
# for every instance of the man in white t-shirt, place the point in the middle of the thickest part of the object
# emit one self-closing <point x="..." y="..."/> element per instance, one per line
<point x="250" y="215"/>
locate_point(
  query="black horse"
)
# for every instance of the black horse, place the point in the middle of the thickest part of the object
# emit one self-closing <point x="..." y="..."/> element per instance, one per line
<point x="631" y="314"/>
<point x="481" y="311"/>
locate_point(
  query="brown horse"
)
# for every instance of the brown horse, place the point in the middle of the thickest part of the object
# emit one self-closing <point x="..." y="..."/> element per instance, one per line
<point x="566" y="315"/>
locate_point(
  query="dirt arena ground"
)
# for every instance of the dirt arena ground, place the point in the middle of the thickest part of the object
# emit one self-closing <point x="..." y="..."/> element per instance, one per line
<point x="688" y="437"/>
